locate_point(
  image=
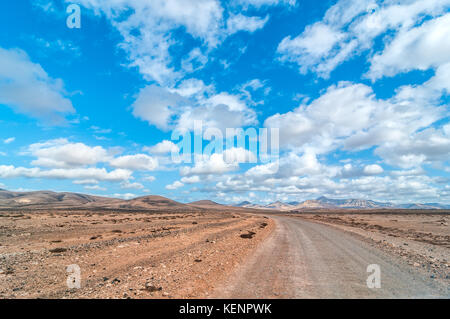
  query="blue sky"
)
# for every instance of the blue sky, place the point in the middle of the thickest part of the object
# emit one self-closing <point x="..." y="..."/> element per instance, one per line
<point x="359" y="91"/>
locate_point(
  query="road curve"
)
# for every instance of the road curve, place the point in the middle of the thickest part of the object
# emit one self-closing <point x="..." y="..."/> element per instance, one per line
<point x="302" y="259"/>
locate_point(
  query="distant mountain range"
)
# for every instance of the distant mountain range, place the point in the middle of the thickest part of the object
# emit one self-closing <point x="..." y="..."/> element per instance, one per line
<point x="53" y="200"/>
<point x="48" y="199"/>
<point x="328" y="203"/>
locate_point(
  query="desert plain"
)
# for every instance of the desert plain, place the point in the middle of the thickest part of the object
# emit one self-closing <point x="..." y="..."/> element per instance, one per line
<point x="206" y="250"/>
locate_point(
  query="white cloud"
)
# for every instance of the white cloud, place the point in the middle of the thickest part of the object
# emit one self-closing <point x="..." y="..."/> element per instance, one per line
<point x="157" y="106"/>
<point x="192" y="87"/>
<point x="316" y="42"/>
<point x="373" y="169"/>
<point x="351" y="27"/>
<point x="162" y="148"/>
<point x="240" y="22"/>
<point x="139" y="162"/>
<point x="126" y="196"/>
<point x="194" y="61"/>
<point x="128" y="185"/>
<point x="191" y="179"/>
<point x="205" y="165"/>
<point x="239" y="155"/>
<point x="149" y="178"/>
<point x="166" y="109"/>
<point x="263" y="3"/>
<point x="28" y="89"/>
<point x="99" y="174"/>
<point x="9" y="140"/>
<point x="63" y="154"/>
<point x="350" y="117"/>
<point x="421" y="48"/>
<point x="175" y="185"/>
<point x="95" y="188"/>
<point x="340" y="112"/>
<point x="86" y="182"/>
<point x="424" y="147"/>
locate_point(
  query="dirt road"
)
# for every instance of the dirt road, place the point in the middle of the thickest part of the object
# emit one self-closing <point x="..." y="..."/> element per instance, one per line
<point x="309" y="260"/>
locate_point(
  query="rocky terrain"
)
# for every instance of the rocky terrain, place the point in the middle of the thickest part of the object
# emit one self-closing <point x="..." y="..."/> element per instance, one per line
<point x="123" y="253"/>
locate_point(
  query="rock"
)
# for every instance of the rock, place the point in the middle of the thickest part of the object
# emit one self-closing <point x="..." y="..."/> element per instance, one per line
<point x="58" y="250"/>
<point x="151" y="288"/>
<point x="249" y="235"/>
<point x="416" y="265"/>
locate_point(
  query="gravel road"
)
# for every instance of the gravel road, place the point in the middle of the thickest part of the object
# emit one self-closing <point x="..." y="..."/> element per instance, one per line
<point x="308" y="260"/>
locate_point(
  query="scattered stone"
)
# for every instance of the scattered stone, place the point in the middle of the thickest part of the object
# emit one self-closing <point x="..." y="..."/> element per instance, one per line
<point x="249" y="235"/>
<point x="58" y="250"/>
<point x="150" y="288"/>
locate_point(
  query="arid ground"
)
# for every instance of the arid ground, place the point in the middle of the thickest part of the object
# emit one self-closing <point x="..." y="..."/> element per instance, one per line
<point x="123" y="254"/>
<point x="215" y="254"/>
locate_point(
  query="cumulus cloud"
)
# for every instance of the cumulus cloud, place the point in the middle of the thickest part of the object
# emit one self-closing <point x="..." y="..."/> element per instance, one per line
<point x="167" y="109"/>
<point x="354" y="182"/>
<point x="140" y="162"/>
<point x="149" y="178"/>
<point x="63" y="154"/>
<point x="28" y="89"/>
<point x="306" y="50"/>
<point x="129" y="185"/>
<point x="191" y="179"/>
<point x="175" y="185"/>
<point x="349" y="116"/>
<point x="95" y="188"/>
<point x="98" y="174"/>
<point x="205" y="165"/>
<point x="421" y="48"/>
<point x="86" y="182"/>
<point x="162" y="148"/>
<point x="373" y="169"/>
<point x="351" y="27"/>
<point x="126" y="196"/>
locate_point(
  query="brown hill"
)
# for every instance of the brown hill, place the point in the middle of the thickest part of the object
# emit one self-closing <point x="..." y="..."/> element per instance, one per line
<point x="47" y="199"/>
